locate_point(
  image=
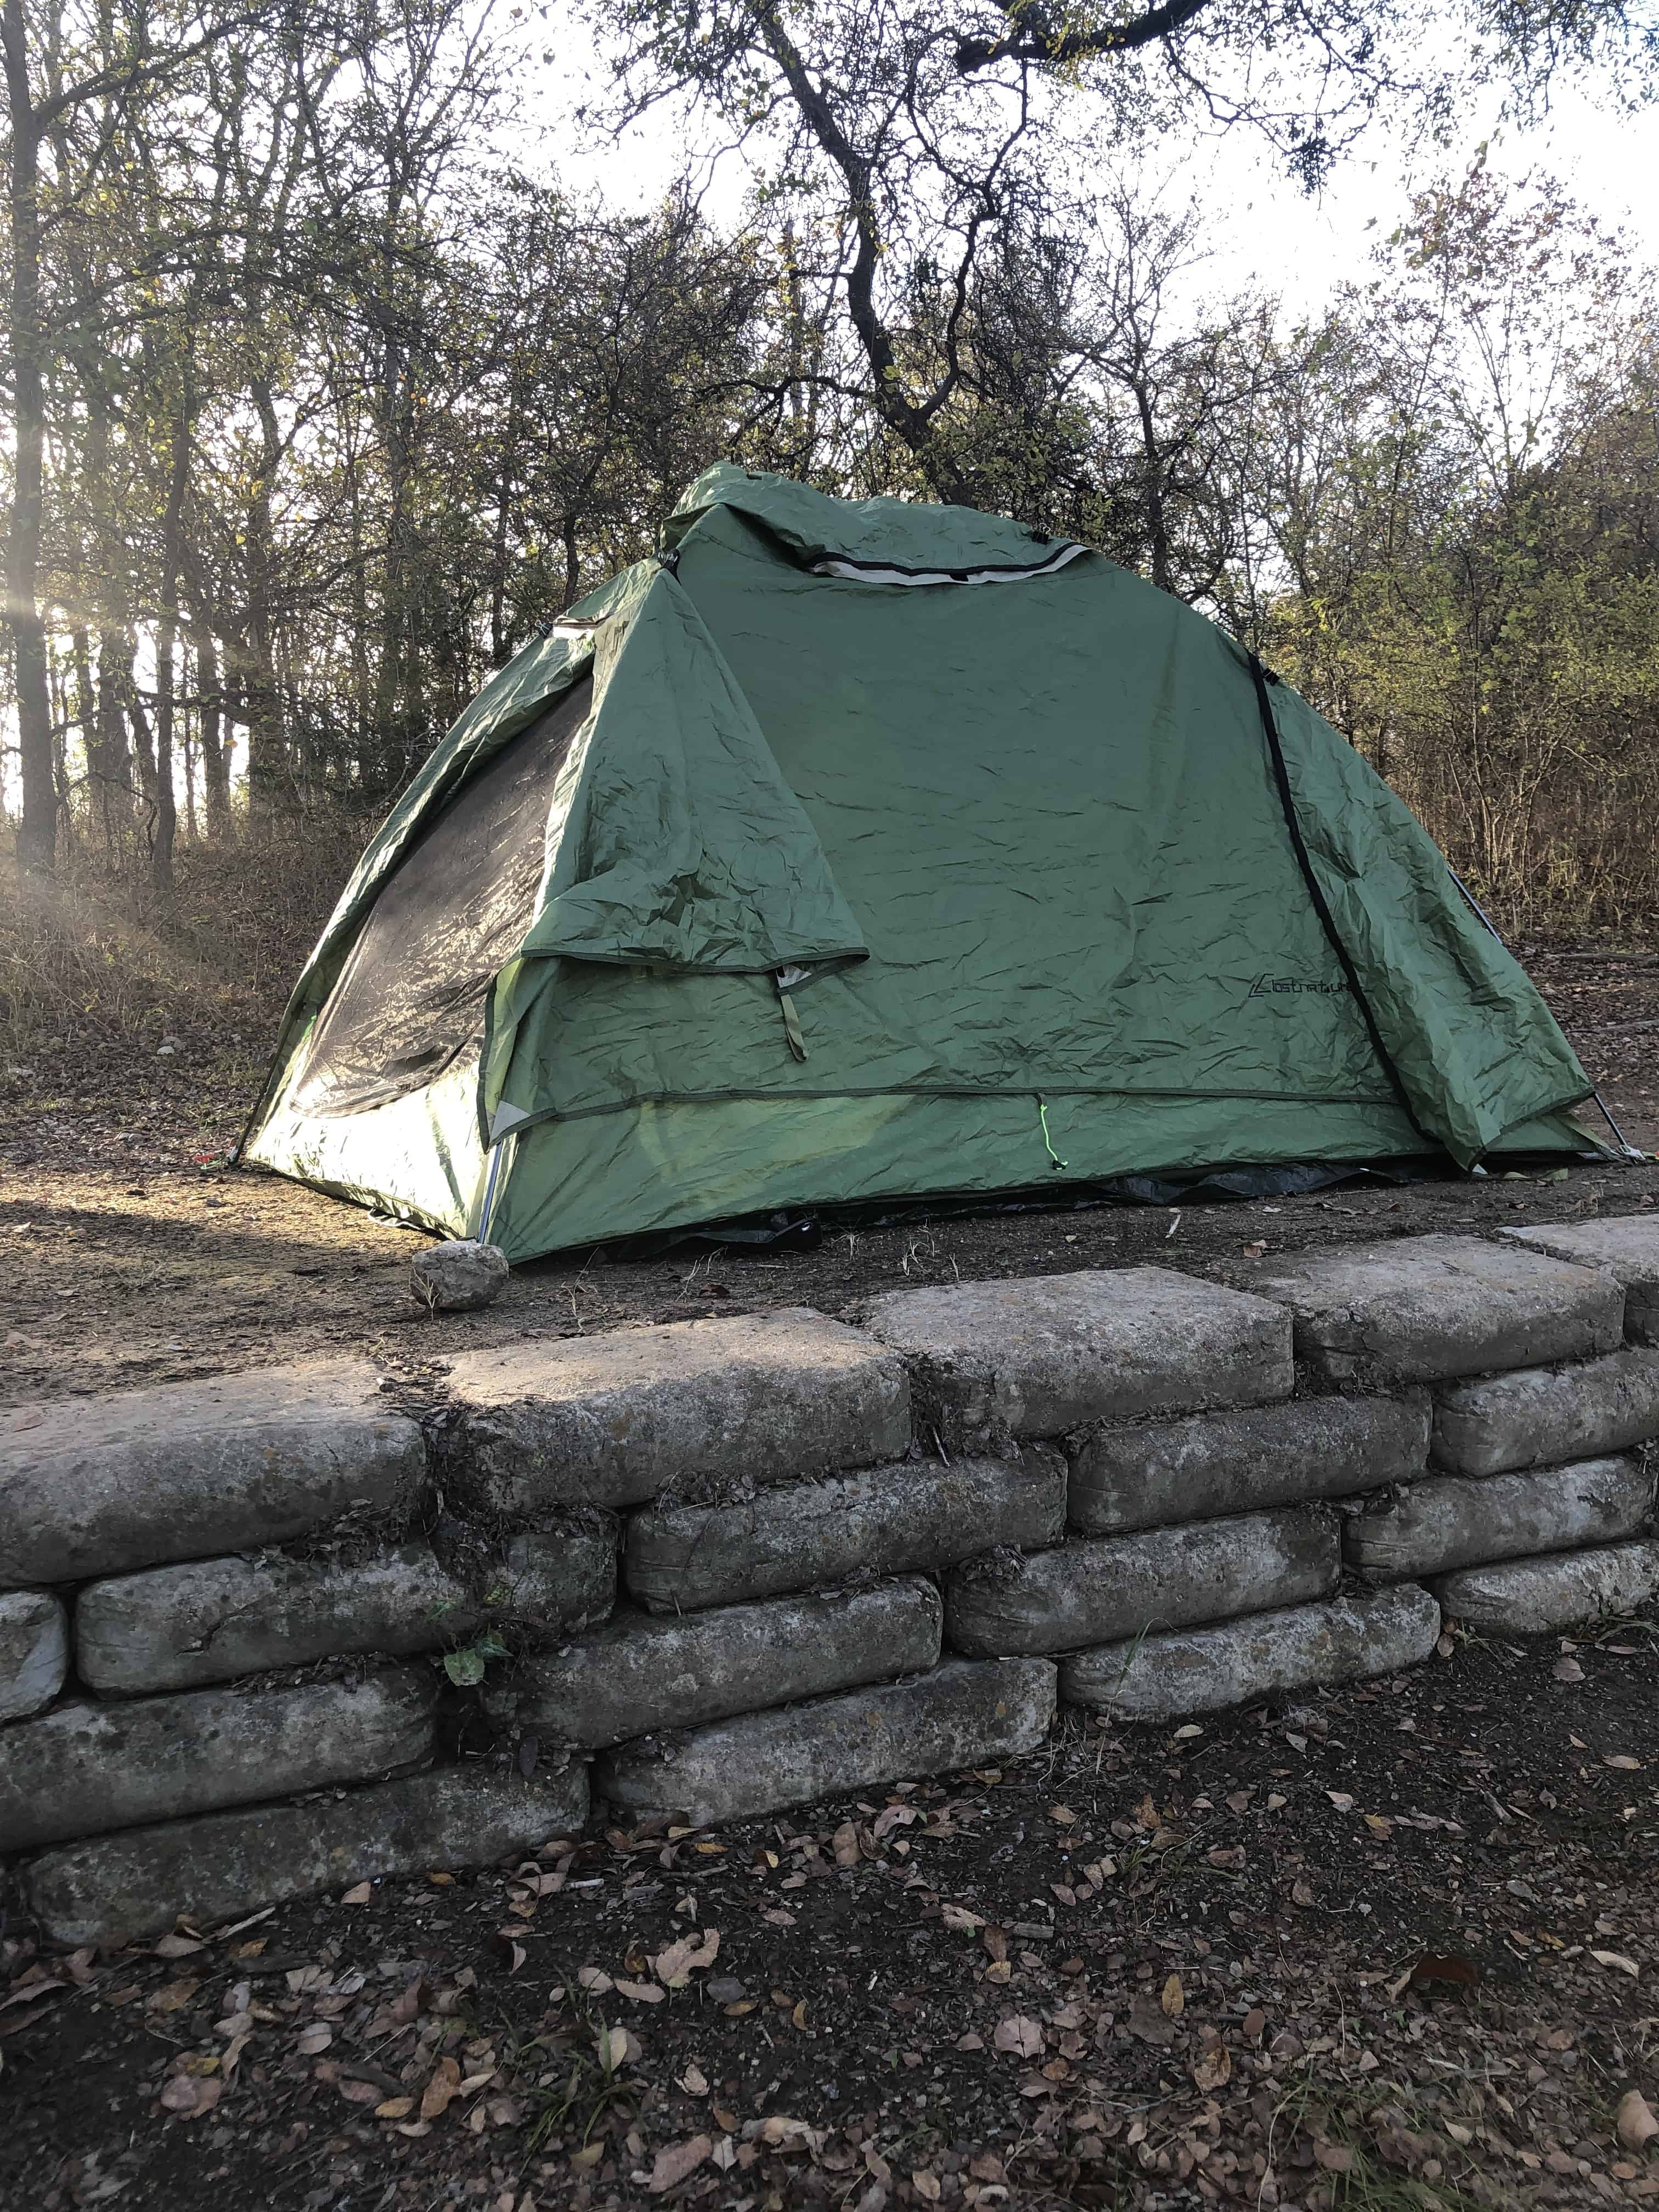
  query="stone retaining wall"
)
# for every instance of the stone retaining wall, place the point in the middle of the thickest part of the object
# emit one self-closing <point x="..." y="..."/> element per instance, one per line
<point x="266" y="1635"/>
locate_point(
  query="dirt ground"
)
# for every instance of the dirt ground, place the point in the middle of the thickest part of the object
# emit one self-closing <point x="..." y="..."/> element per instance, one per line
<point x="129" y="1253"/>
<point x="1387" y="1948"/>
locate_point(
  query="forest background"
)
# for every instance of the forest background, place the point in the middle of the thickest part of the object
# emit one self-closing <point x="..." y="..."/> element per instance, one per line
<point x="326" y="389"/>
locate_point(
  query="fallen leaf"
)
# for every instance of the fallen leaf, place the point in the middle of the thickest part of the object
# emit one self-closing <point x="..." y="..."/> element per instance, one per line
<point x="315" y="2038"/>
<point x="615" y="2048"/>
<point x="845" y="1844"/>
<point x="1618" y="1962"/>
<point x="675" y="1965"/>
<point x="360" y="2093"/>
<point x="641" y="1992"/>
<point x="187" y="2096"/>
<point x="1148" y="2019"/>
<point x="957" y="1916"/>
<point x="178" y="1946"/>
<point x="1173" y="2001"/>
<point x="926" y="2185"/>
<point x="1623" y="1761"/>
<point x="441" y="2086"/>
<point x="1636" y="2123"/>
<point x="675" y="2161"/>
<point x="394" y="2108"/>
<point x="1568" y="1670"/>
<point x="694" y="2080"/>
<point x="1018" y="2035"/>
<point x="1213" y="2069"/>
<point x="1341" y="1800"/>
<point x="172" y="1996"/>
<point x="362" y="1894"/>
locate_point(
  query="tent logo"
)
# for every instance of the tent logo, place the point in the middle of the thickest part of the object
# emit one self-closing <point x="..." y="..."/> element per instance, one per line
<point x="1267" y="985"/>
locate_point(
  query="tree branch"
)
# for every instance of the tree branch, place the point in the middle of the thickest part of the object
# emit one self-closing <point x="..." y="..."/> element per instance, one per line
<point x="1055" y="49"/>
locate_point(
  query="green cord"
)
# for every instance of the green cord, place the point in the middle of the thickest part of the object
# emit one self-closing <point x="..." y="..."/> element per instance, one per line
<point x="1042" y="1117"/>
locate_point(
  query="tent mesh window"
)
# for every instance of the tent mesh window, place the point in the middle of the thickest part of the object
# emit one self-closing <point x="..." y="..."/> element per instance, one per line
<point x="410" y="998"/>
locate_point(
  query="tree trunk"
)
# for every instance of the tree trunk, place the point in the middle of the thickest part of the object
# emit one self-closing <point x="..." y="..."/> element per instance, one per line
<point x="37" y="835"/>
<point x="167" y="640"/>
<point x="215" y="780"/>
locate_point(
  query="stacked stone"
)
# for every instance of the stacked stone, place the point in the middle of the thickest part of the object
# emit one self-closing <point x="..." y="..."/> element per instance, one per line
<point x="1542" y="1358"/>
<point x="742" y="1564"/>
<point x="781" y="1636"/>
<point x="1201" y="1560"/>
<point x="141" y="1590"/>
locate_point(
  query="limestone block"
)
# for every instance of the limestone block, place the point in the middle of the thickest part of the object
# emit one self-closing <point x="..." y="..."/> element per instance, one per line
<point x="226" y="1865"/>
<point x="210" y="1621"/>
<point x="81" y="1769"/>
<point x="94" y="1486"/>
<point x="612" y="1420"/>
<point x="1202" y="1670"/>
<point x="1042" y="1354"/>
<point x="641" y="1674"/>
<point x="1534" y="1597"/>
<point x="1541" y="1416"/>
<point x="1115" y="1587"/>
<point x="961" y="1715"/>
<point x="1423" y="1307"/>
<point x="33" y="1651"/>
<point x="1239" y="1460"/>
<point x="458" y="1276"/>
<point x="893" y="1520"/>
<point x="1456" y="1521"/>
<point x="1625" y="1246"/>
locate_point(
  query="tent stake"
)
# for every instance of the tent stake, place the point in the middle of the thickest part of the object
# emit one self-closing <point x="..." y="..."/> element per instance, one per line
<point x="1479" y="912"/>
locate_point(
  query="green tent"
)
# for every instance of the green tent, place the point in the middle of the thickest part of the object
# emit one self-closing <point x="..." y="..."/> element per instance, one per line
<point x="857" y="851"/>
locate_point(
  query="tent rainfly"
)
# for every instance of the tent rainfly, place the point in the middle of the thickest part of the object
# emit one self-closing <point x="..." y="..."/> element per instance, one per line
<point x="854" y="851"/>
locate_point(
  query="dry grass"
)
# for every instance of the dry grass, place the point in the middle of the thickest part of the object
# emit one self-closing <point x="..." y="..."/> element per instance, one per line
<point x="97" y="965"/>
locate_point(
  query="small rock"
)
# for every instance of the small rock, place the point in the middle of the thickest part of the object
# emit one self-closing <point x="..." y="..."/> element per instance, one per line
<point x="459" y="1276"/>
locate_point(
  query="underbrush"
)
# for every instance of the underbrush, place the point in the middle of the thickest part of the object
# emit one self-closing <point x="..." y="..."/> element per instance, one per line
<point x="97" y="964"/>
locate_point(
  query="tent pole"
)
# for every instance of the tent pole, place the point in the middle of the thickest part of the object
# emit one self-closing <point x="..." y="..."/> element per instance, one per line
<point x="485" y="1204"/>
<point x="1475" y="907"/>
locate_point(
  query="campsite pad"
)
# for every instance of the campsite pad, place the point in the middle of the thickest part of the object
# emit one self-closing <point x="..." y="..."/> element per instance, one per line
<point x="126" y="1263"/>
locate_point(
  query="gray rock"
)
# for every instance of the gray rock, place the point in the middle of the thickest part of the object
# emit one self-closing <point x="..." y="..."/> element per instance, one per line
<point x="33" y="1651"/>
<point x="211" y="1620"/>
<point x="94" y="1485"/>
<point x="1534" y="1597"/>
<point x="1424" y="1307"/>
<point x="229" y="1865"/>
<point x="1041" y="1355"/>
<point x="891" y="1521"/>
<point x="610" y="1421"/>
<point x="1116" y="1587"/>
<point x="1202" y="1670"/>
<point x="1456" y="1521"/>
<point x="1627" y="1247"/>
<point x="1540" y="1416"/>
<point x="458" y="1276"/>
<point x="81" y="1769"/>
<point x="959" y="1715"/>
<point x="1238" y="1461"/>
<point x="640" y="1675"/>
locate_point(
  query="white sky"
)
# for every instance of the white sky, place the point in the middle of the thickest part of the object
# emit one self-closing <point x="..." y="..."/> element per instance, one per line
<point x="1268" y="234"/>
